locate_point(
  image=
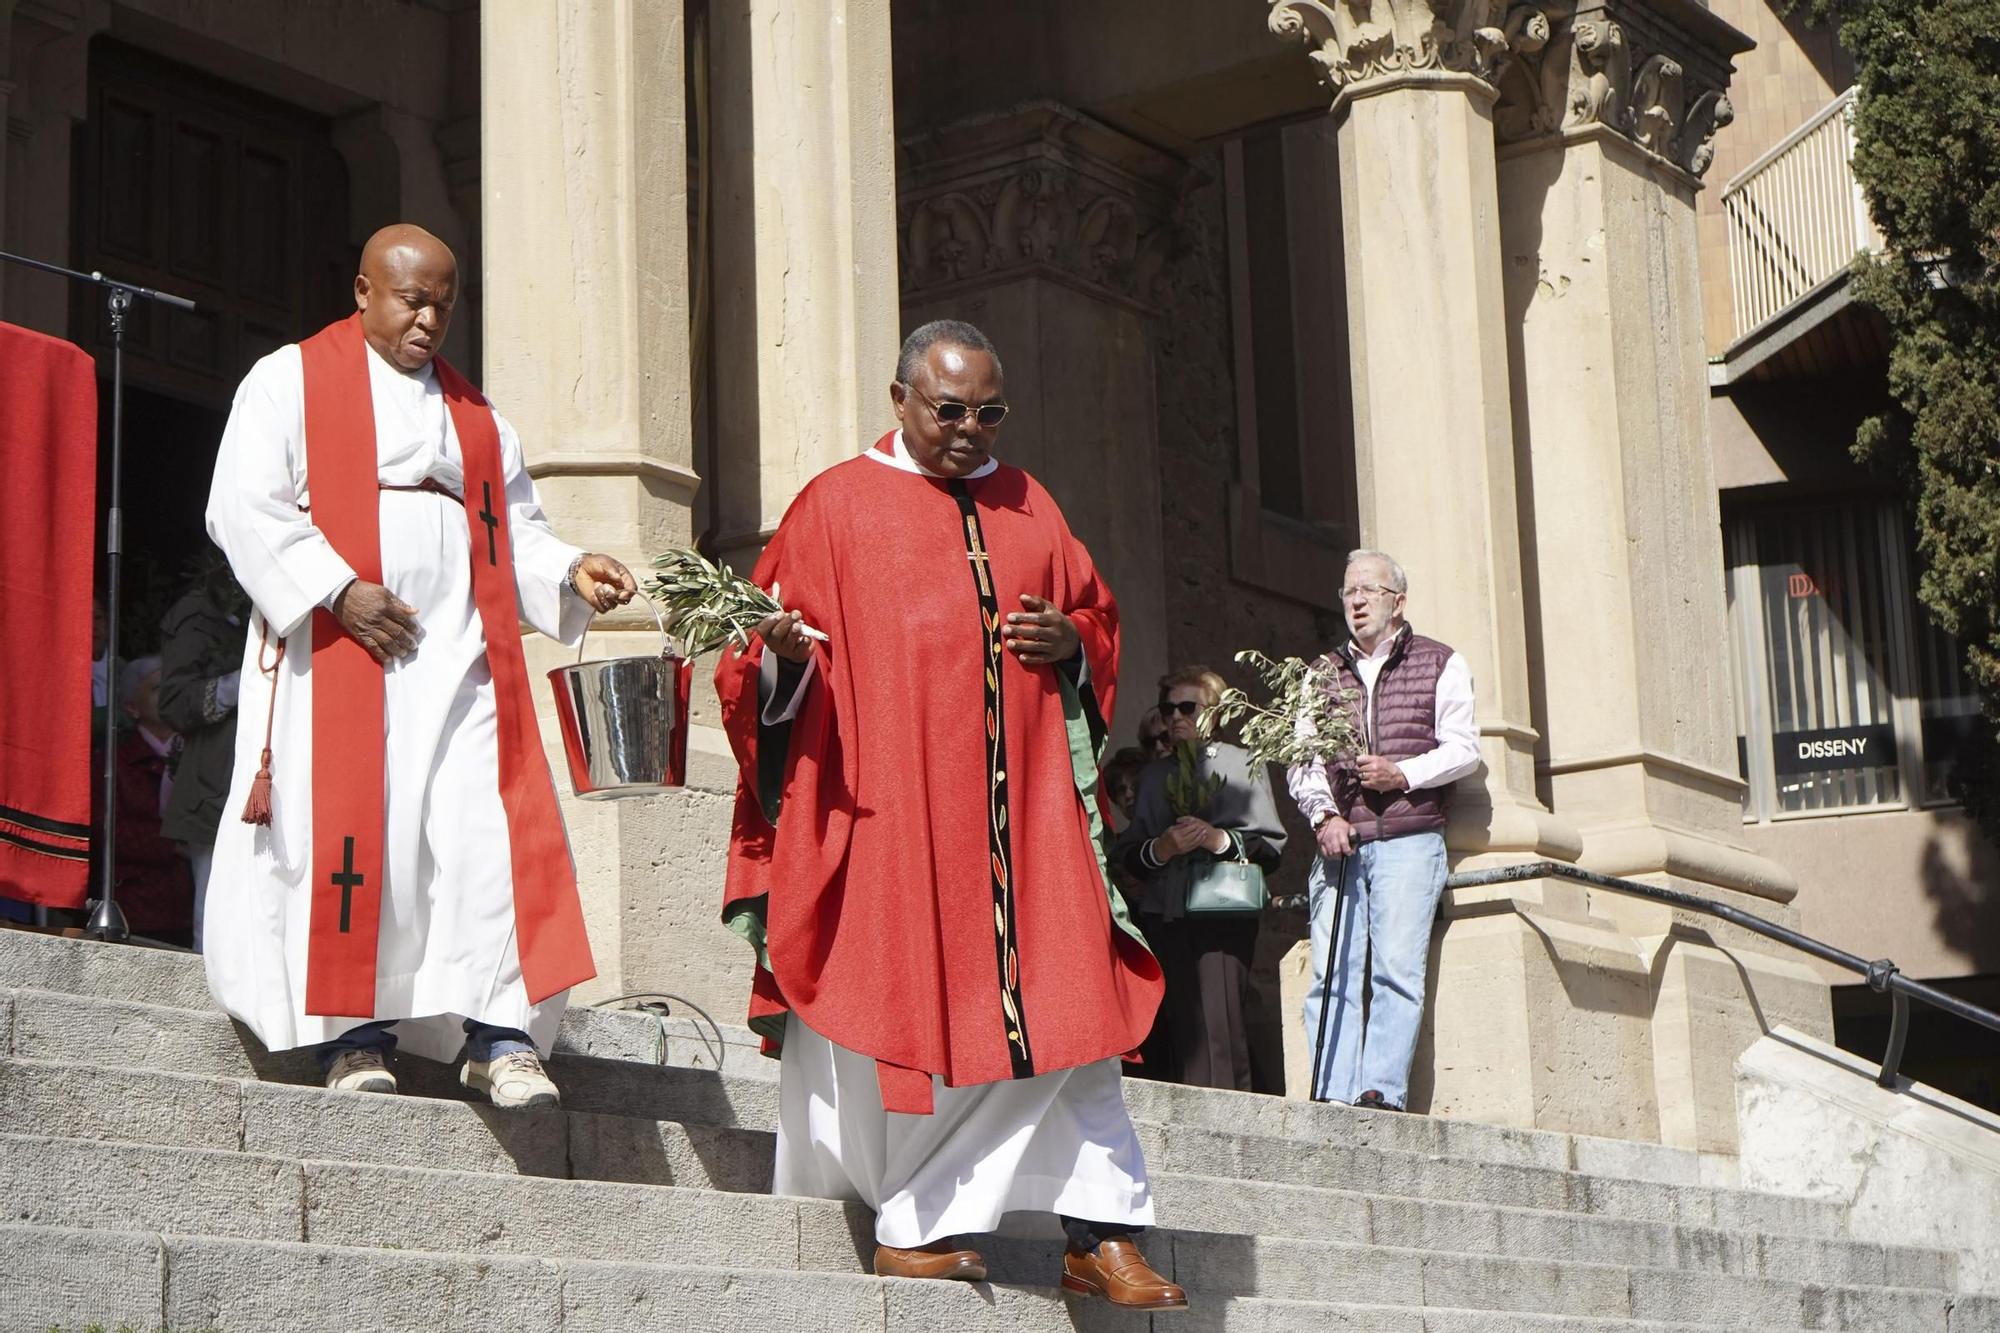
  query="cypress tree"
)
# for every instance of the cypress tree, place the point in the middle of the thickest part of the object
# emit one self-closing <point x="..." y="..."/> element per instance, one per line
<point x="1927" y="156"/>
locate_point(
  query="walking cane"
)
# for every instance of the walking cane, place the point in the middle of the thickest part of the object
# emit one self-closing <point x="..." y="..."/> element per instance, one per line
<point x="1326" y="982"/>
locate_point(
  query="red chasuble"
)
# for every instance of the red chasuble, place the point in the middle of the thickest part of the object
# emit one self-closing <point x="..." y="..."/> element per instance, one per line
<point x="347" y="697"/>
<point x="919" y="869"/>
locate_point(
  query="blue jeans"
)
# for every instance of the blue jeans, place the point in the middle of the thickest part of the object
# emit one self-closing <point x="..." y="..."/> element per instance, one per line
<point x="483" y="1041"/>
<point x="1388" y="898"/>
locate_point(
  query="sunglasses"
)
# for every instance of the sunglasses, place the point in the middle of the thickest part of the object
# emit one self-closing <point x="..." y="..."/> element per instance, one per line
<point x="1152" y="738"/>
<point x="949" y="413"/>
<point x="1186" y="708"/>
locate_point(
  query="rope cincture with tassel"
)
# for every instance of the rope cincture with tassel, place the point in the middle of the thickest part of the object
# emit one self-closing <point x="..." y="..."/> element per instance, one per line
<point x="257" y="806"/>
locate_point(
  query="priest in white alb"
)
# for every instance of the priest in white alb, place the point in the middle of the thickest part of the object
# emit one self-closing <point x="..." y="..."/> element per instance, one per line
<point x="941" y="958"/>
<point x="400" y="872"/>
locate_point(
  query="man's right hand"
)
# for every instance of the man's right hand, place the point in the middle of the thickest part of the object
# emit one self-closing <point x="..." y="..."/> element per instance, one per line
<point x="380" y="621"/>
<point x="1335" y="837"/>
<point x="784" y="634"/>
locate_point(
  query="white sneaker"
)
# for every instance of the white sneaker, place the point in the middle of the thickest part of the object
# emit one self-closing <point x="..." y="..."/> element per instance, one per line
<point x="513" y="1079"/>
<point x="362" y="1070"/>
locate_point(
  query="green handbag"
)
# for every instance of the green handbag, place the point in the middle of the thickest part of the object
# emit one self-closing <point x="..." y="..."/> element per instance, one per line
<point x="1232" y="888"/>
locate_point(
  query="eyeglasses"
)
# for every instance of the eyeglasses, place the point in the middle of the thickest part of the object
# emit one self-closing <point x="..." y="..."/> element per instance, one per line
<point x="1152" y="740"/>
<point x="1367" y="589"/>
<point x="1186" y="708"/>
<point x="949" y="413"/>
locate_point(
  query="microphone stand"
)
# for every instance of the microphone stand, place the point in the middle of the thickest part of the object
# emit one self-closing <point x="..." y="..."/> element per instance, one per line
<point x="107" y="919"/>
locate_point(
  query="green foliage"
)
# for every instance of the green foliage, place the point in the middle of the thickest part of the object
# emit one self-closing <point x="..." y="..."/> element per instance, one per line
<point x="1188" y="793"/>
<point x="1927" y="154"/>
<point x="708" y="605"/>
<point x="1307" y="720"/>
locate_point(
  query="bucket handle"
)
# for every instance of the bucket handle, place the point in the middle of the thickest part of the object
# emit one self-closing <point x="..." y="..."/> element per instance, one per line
<point x="666" y="640"/>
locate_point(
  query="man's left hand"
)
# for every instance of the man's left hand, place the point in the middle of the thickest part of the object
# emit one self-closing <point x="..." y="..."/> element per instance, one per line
<point x="603" y="582"/>
<point x="1379" y="774"/>
<point x="1039" y="634"/>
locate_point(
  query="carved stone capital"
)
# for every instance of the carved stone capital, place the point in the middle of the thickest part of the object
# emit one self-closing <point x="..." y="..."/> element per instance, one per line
<point x="1041" y="190"/>
<point x="1657" y="73"/>
<point x="1356" y="42"/>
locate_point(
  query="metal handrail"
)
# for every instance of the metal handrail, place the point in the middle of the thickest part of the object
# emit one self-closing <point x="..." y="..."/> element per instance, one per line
<point x="1881" y="975"/>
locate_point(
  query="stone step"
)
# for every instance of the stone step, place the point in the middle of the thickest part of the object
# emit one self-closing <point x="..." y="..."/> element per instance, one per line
<point x="87" y="1101"/>
<point x="82" y="1030"/>
<point x="310" y="1123"/>
<point x="176" y="980"/>
<point x="76" y="1184"/>
<point x="124" y="1033"/>
<point x="287" y="1120"/>
<point x="72" y="1279"/>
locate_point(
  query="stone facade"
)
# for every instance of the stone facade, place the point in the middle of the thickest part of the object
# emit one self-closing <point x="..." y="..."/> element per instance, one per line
<point x="1211" y="610"/>
<point x="585" y="207"/>
<point x="1052" y="233"/>
<point x="1487" y="240"/>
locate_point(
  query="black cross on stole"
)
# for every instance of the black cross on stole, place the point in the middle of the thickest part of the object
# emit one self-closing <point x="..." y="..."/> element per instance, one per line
<point x="492" y="522"/>
<point x="347" y="880"/>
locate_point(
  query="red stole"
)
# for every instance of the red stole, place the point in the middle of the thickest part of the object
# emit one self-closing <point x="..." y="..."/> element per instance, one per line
<point x="347" y="712"/>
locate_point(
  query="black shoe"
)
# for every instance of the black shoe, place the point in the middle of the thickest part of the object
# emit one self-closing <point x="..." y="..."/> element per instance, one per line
<point x="1372" y="1100"/>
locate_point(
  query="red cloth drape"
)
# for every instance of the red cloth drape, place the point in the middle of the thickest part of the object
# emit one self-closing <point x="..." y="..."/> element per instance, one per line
<point x="48" y="439"/>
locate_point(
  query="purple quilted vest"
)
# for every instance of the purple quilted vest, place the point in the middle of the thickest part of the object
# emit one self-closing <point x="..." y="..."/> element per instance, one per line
<point x="1399" y="722"/>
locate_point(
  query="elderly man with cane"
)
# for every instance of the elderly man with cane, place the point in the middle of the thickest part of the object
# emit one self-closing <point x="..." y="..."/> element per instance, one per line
<point x="1379" y="823"/>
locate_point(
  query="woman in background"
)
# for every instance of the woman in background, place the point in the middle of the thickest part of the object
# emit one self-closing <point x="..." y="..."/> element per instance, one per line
<point x="1201" y="1035"/>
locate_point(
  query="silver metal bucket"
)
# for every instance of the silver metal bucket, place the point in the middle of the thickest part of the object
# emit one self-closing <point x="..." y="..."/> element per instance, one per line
<point x="625" y="721"/>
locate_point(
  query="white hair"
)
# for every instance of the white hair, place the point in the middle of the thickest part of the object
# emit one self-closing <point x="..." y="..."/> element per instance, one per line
<point x="134" y="675"/>
<point x="1398" y="580"/>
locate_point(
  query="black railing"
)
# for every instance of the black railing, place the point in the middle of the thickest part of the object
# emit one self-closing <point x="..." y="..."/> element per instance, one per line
<point x="1881" y="974"/>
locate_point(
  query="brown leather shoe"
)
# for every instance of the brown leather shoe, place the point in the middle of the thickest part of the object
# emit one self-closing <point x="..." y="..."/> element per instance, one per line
<point x="939" y="1259"/>
<point x="1117" y="1271"/>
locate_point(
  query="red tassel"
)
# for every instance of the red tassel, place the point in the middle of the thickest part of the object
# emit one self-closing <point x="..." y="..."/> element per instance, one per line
<point x="257" y="806"/>
<point x="257" y="809"/>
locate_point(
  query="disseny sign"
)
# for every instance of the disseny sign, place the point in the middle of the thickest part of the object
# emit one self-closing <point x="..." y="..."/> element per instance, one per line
<point x="1834" y="748"/>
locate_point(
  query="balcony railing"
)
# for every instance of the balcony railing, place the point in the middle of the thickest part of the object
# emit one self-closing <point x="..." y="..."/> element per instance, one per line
<point x="1796" y="216"/>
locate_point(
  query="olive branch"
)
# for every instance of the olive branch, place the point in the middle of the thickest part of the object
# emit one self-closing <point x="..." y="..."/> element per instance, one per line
<point x="709" y="605"/>
<point x="1306" y="720"/>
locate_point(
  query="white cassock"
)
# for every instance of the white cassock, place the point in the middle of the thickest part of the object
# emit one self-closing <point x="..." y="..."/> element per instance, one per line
<point x="447" y="948"/>
<point x="1061" y="1142"/>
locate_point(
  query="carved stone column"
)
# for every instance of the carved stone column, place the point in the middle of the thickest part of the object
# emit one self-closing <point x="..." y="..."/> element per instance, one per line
<point x="586" y="324"/>
<point x="1050" y="231"/>
<point x="1606" y="115"/>
<point x="1433" y="440"/>
<point x="1548" y="1006"/>
<point x="804" y="251"/>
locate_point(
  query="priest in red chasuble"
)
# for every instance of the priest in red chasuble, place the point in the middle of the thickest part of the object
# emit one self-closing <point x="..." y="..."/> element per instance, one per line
<point x="942" y="964"/>
<point x="399" y="872"/>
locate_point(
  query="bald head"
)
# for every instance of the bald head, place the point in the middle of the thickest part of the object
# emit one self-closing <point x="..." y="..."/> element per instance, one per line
<point x="405" y="292"/>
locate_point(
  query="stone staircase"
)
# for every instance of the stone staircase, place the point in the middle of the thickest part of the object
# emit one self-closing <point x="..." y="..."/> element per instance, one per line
<point x="159" y="1170"/>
